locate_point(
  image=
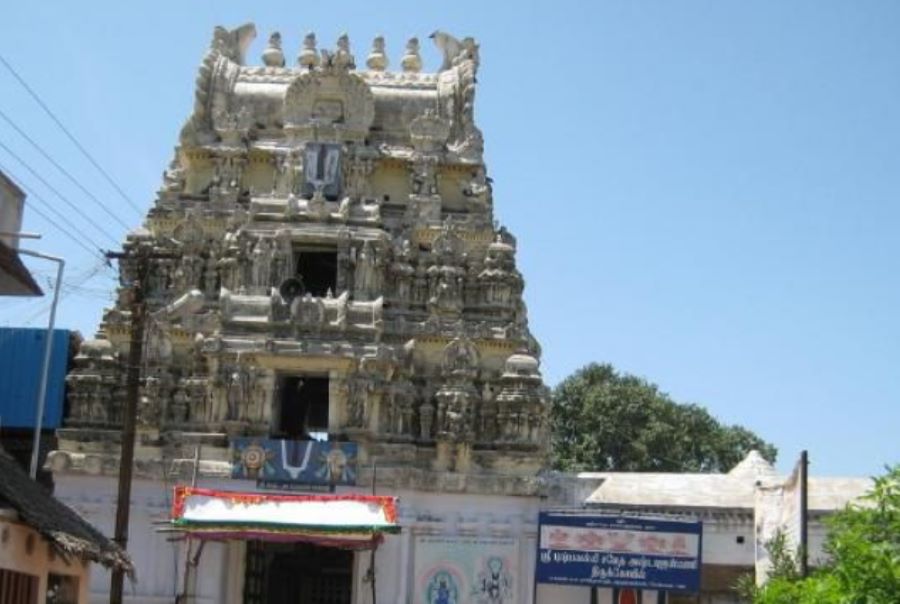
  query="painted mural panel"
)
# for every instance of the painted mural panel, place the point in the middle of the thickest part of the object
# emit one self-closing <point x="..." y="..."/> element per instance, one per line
<point x="466" y="570"/>
<point x="303" y="462"/>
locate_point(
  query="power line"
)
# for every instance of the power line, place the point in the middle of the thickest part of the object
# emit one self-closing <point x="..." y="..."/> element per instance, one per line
<point x="68" y="288"/>
<point x="74" y="284"/>
<point x="35" y="196"/>
<point x="65" y="172"/>
<point x="64" y="231"/>
<point x="71" y="137"/>
<point x="65" y="199"/>
<point x="50" y="206"/>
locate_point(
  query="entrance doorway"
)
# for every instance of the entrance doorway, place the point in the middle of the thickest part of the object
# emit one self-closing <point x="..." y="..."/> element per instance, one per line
<point x="297" y="573"/>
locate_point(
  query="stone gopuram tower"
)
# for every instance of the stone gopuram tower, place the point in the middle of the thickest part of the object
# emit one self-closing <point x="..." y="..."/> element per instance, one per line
<point x="334" y="271"/>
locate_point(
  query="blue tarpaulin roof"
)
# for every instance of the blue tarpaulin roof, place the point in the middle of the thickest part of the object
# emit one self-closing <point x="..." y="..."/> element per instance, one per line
<point x="21" y="358"/>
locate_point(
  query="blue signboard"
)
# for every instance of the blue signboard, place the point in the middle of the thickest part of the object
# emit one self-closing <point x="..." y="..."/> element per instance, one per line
<point x="619" y="551"/>
<point x="297" y="462"/>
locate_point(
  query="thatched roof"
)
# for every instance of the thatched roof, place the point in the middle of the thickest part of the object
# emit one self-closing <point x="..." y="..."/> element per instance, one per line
<point x="55" y="521"/>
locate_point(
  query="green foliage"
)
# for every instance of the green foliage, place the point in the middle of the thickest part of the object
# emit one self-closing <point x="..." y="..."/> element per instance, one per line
<point x="603" y="420"/>
<point x="863" y="546"/>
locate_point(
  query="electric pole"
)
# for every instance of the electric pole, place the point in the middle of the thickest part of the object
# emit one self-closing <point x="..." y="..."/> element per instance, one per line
<point x="140" y="255"/>
<point x="804" y="514"/>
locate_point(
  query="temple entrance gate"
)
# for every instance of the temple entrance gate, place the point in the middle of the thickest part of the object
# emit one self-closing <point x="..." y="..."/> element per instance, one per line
<point x="297" y="573"/>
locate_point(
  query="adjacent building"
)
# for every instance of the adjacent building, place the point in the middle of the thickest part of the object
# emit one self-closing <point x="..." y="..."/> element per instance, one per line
<point x="46" y="549"/>
<point x="740" y="510"/>
<point x="15" y="280"/>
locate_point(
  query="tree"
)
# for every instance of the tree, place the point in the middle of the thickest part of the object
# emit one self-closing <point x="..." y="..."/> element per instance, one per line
<point x="602" y="420"/>
<point x="863" y="548"/>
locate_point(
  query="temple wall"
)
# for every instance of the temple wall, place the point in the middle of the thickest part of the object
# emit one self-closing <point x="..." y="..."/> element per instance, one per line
<point x="427" y="521"/>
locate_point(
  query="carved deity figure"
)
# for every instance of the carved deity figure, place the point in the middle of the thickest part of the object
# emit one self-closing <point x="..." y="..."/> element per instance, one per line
<point x="148" y="410"/>
<point x="235" y="394"/>
<point x="358" y="389"/>
<point x="455" y="417"/>
<point x="367" y="277"/>
<point x="189" y="272"/>
<point x="211" y="273"/>
<point x="178" y="410"/>
<point x="358" y="172"/>
<point x="426" y="420"/>
<point x="284" y="175"/>
<point x="424" y="178"/>
<point x="402" y="271"/>
<point x="262" y="263"/>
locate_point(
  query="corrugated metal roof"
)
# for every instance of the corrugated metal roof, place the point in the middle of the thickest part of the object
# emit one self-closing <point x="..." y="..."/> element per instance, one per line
<point x="21" y="358"/>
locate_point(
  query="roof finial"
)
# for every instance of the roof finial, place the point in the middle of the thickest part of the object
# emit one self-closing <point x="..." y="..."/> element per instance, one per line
<point x="377" y="60"/>
<point x="342" y="56"/>
<point x="273" y="56"/>
<point x="308" y="57"/>
<point x="411" y="61"/>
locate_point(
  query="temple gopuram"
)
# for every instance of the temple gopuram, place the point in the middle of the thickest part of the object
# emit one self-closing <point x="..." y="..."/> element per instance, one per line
<point x="331" y="308"/>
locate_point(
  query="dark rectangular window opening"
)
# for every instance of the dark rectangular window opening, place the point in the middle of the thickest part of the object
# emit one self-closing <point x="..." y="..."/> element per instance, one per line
<point x="317" y="270"/>
<point x="302" y="412"/>
<point x="62" y="589"/>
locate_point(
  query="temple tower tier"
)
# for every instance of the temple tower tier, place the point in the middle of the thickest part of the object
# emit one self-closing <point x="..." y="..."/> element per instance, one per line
<point x="332" y="270"/>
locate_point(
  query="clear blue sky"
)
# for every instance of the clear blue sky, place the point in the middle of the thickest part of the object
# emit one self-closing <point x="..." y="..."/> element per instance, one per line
<point x="705" y="192"/>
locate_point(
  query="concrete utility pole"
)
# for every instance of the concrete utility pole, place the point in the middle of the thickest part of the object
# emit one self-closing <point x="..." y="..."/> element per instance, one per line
<point x="141" y="256"/>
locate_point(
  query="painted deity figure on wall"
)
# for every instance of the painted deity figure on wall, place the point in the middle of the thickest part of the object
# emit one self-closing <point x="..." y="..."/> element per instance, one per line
<point x="442" y="589"/>
<point x="494" y="584"/>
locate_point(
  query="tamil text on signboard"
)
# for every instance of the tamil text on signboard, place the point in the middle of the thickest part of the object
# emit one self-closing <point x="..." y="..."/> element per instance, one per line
<point x="619" y="551"/>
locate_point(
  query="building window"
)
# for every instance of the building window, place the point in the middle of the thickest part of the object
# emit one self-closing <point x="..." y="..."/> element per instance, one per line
<point x="18" y="588"/>
<point x="62" y="589"/>
<point x="317" y="269"/>
<point x="322" y="170"/>
<point x="302" y="412"/>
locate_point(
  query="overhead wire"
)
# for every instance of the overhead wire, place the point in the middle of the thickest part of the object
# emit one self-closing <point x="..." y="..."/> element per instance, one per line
<point x="64" y="172"/>
<point x="73" y="230"/>
<point x="80" y="241"/>
<point x="62" y="197"/>
<point x="74" y="274"/>
<point x="67" y="289"/>
<point x="64" y="231"/>
<point x="34" y="95"/>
